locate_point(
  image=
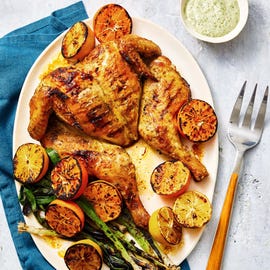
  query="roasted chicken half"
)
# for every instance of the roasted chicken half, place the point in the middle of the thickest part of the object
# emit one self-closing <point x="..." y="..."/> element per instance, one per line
<point x="100" y="95"/>
<point x="161" y="100"/>
<point x="103" y="160"/>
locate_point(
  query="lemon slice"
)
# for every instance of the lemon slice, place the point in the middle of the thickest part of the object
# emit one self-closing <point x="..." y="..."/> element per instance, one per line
<point x="192" y="209"/>
<point x="30" y="163"/>
<point x="170" y="178"/>
<point x="69" y="178"/>
<point x="164" y="228"/>
<point x="197" y="121"/>
<point x="65" y="217"/>
<point x="78" y="42"/>
<point x="111" y="22"/>
<point x="84" y="254"/>
<point x="105" y="198"/>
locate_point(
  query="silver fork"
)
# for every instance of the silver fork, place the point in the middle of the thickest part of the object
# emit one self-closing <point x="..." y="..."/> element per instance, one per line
<point x="244" y="134"/>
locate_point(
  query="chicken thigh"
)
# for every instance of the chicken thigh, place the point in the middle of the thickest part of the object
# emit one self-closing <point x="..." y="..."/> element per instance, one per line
<point x="103" y="160"/>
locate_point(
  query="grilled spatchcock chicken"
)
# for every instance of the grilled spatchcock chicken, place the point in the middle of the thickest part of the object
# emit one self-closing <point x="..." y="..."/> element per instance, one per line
<point x="103" y="160"/>
<point x="161" y="100"/>
<point x="99" y="98"/>
<point x="100" y="95"/>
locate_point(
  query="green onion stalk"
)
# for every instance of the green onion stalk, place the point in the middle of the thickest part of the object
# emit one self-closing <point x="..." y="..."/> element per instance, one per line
<point x="120" y="252"/>
<point x="90" y="212"/>
<point x="138" y="258"/>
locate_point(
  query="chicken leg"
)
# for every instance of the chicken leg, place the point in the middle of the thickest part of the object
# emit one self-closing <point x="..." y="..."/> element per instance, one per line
<point x="103" y="160"/>
<point x="160" y="103"/>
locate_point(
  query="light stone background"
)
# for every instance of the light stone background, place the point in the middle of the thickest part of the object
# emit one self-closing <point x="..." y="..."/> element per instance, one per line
<point x="225" y="66"/>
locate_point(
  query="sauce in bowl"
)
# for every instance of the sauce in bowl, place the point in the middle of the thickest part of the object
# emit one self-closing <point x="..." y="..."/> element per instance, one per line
<point x="212" y="18"/>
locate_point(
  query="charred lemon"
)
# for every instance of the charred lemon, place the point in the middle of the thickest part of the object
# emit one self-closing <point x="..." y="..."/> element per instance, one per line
<point x="69" y="178"/>
<point x="78" y="42"/>
<point x="164" y="228"/>
<point x="111" y="22"/>
<point x="105" y="198"/>
<point x="65" y="217"/>
<point x="84" y="254"/>
<point x="192" y="209"/>
<point x="197" y="121"/>
<point x="30" y="163"/>
<point x="170" y="178"/>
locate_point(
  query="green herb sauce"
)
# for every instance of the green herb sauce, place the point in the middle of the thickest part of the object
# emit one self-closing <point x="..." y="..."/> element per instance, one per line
<point x="213" y="18"/>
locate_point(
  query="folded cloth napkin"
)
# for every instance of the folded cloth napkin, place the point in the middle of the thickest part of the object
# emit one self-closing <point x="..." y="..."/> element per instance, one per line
<point x="18" y="51"/>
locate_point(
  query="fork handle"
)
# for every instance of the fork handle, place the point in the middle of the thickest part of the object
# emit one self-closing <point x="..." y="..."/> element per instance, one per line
<point x="215" y="258"/>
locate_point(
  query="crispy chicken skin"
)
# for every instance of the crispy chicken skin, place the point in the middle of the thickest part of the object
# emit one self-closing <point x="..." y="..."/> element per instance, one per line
<point x="161" y="100"/>
<point x="100" y="95"/>
<point x="103" y="160"/>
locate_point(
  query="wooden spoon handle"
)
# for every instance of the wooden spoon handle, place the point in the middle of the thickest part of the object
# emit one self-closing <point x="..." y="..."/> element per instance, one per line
<point x="215" y="258"/>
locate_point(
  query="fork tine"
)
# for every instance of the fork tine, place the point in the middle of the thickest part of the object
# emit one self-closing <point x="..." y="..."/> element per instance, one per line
<point x="248" y="113"/>
<point x="234" y="119"/>
<point x="259" y="123"/>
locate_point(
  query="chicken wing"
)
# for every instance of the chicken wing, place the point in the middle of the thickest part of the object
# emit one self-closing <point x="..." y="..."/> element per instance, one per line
<point x="103" y="160"/>
<point x="161" y="100"/>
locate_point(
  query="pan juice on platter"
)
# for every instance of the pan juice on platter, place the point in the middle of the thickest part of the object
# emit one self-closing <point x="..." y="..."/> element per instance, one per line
<point x="213" y="18"/>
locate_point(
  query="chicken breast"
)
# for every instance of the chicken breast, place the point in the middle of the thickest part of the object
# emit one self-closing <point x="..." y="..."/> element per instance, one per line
<point x="161" y="100"/>
<point x="100" y="95"/>
<point x="103" y="160"/>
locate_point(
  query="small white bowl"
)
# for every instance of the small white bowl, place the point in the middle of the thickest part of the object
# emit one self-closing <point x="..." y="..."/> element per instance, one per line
<point x="243" y="6"/>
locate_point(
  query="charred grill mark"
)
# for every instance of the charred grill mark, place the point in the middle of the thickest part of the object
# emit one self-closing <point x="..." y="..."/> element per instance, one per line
<point x="145" y="108"/>
<point x="58" y="93"/>
<point x="77" y="125"/>
<point x="67" y="78"/>
<point x="120" y="88"/>
<point x="87" y="76"/>
<point x="113" y="133"/>
<point x="98" y="116"/>
<point x="155" y="97"/>
<point x="127" y="96"/>
<point x="169" y="98"/>
<point x="86" y="154"/>
<point x="121" y="84"/>
<point x="64" y="75"/>
<point x="163" y="139"/>
<point x="167" y="107"/>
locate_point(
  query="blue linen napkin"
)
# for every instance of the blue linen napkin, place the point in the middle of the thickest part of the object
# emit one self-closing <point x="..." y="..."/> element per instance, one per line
<point x="18" y="51"/>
